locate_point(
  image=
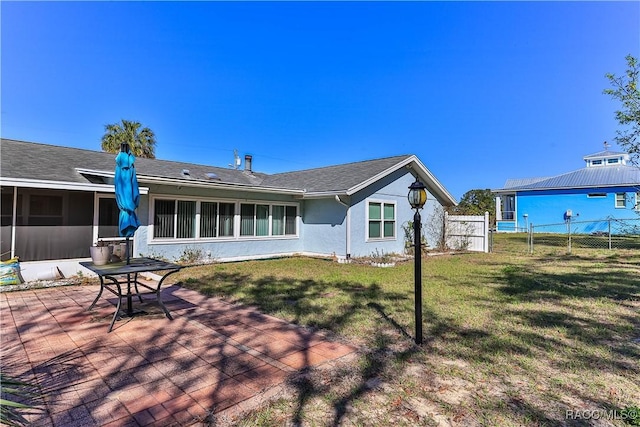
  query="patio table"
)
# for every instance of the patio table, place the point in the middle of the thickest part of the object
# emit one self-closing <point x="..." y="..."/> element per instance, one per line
<point x="113" y="275"/>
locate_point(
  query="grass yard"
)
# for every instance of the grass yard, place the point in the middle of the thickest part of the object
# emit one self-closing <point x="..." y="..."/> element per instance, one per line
<point x="508" y="339"/>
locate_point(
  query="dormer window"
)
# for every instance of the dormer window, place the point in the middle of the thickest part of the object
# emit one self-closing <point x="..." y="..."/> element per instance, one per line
<point x="596" y="162"/>
<point x="612" y="161"/>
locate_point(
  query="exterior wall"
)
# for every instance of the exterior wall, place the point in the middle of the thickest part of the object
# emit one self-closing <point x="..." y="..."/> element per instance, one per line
<point x="324" y="227"/>
<point x="394" y="188"/>
<point x="221" y="248"/>
<point x="549" y="207"/>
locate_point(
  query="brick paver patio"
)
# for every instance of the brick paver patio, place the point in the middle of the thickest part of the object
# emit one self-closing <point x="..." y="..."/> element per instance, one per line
<point x="213" y="358"/>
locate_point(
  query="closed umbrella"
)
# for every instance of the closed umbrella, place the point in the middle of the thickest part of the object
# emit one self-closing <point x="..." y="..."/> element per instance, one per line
<point x="127" y="193"/>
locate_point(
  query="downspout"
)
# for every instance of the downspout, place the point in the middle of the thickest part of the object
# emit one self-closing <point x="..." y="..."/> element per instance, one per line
<point x="348" y="227"/>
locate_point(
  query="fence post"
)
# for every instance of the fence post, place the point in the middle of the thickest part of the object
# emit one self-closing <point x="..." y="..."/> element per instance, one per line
<point x="531" y="238"/>
<point x="569" y="231"/>
<point x="609" y="233"/>
<point x="485" y="236"/>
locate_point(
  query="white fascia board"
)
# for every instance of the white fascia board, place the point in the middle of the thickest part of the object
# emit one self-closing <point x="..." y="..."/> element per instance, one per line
<point x="61" y="185"/>
<point x="199" y="184"/>
<point x="217" y="185"/>
<point x="324" y="194"/>
<point x="433" y="185"/>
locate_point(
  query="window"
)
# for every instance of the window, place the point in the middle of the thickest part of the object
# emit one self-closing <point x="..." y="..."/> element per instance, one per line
<point x="227" y="212"/>
<point x="596" y="195"/>
<point x="186" y="219"/>
<point x="163" y="218"/>
<point x="596" y="162"/>
<point x="254" y="220"/>
<point x="612" y="161"/>
<point x="208" y="219"/>
<point x="175" y="218"/>
<point x="382" y="220"/>
<point x="621" y="200"/>
<point x="195" y="219"/>
<point x="247" y="213"/>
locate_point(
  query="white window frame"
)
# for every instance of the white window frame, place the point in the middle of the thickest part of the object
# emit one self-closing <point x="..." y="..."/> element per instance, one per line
<point x="623" y="205"/>
<point x="395" y="220"/>
<point x="236" y="220"/>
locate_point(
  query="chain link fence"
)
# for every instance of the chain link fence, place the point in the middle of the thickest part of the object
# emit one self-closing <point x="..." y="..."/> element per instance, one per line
<point x="606" y="234"/>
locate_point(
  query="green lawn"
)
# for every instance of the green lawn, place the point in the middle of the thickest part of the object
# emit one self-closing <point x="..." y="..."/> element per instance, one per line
<point x="509" y="339"/>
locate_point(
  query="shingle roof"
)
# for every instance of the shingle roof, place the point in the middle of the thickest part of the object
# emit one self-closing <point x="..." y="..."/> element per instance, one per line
<point x="42" y="162"/>
<point x="338" y="178"/>
<point x="28" y="160"/>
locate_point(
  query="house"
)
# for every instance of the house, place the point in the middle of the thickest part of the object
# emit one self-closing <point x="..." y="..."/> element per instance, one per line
<point x="607" y="187"/>
<point x="58" y="201"/>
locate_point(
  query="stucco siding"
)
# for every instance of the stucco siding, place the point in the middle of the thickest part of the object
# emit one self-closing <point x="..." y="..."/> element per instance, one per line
<point x="393" y="189"/>
<point x="324" y="227"/>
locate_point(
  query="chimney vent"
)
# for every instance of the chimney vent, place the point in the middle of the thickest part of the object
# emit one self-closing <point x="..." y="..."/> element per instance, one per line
<point x="247" y="162"/>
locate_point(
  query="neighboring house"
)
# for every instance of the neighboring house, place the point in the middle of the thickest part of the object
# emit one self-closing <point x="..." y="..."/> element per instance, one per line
<point x="58" y="201"/>
<point x="607" y="187"/>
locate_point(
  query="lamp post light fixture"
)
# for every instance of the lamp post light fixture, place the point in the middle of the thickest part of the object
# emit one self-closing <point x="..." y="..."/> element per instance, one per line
<point x="417" y="198"/>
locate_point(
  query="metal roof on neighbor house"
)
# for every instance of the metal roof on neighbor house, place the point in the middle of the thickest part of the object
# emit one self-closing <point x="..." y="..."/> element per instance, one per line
<point x="521" y="182"/>
<point x="610" y="176"/>
<point x="605" y="153"/>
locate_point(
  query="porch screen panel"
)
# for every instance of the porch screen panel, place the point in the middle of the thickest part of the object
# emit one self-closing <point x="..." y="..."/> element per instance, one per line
<point x="262" y="220"/>
<point x="208" y="218"/>
<point x="227" y="211"/>
<point x="277" y="220"/>
<point x="163" y="218"/>
<point x="290" y="220"/>
<point x="7" y="218"/>
<point x="247" y="213"/>
<point x="186" y="220"/>
<point x="59" y="225"/>
<point x="108" y="217"/>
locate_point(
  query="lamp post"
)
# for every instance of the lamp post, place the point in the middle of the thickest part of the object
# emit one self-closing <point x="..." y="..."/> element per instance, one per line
<point x="417" y="198"/>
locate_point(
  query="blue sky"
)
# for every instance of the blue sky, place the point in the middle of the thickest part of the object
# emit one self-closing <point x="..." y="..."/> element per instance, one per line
<point x="480" y="91"/>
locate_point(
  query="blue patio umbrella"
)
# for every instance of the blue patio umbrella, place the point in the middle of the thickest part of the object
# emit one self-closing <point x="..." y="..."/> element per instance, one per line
<point x="127" y="193"/>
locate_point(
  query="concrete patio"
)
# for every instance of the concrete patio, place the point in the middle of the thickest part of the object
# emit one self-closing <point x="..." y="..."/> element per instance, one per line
<point x="214" y="361"/>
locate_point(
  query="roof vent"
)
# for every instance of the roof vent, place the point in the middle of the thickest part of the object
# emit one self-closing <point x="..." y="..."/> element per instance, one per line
<point x="185" y="172"/>
<point x="211" y="175"/>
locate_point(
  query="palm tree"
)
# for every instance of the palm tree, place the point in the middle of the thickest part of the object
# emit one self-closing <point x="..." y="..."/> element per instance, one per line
<point x="142" y="142"/>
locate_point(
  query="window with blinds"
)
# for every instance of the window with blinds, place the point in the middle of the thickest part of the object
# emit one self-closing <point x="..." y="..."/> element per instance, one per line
<point x="200" y="219"/>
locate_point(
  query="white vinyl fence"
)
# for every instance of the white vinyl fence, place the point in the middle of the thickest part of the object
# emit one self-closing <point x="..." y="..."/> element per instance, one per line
<point x="467" y="232"/>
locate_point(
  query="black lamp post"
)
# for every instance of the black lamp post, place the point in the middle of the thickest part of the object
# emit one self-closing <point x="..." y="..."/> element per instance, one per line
<point x="417" y="198"/>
